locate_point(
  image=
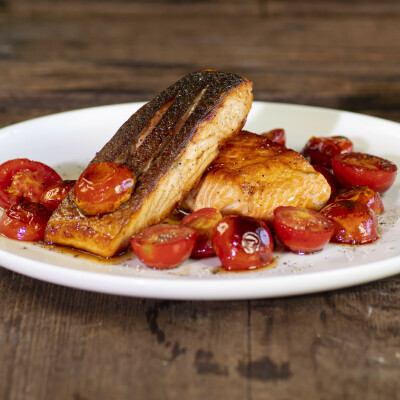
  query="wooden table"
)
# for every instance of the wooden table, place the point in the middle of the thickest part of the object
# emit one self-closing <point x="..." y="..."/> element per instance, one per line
<point x="62" y="343"/>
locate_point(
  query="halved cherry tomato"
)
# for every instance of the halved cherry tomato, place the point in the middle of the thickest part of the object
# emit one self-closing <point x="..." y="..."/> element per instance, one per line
<point x="204" y="221"/>
<point x="355" y="222"/>
<point x="24" y="180"/>
<point x="328" y="175"/>
<point x="301" y="230"/>
<point x="362" y="194"/>
<point x="164" y="246"/>
<point x="25" y="221"/>
<point x="103" y="187"/>
<point x="322" y="149"/>
<point x="242" y="243"/>
<point x="52" y="197"/>
<point x="362" y="169"/>
<point x="276" y="135"/>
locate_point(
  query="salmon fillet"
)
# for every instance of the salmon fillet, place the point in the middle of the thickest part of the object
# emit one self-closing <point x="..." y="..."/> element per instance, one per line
<point x="168" y="144"/>
<point x="253" y="175"/>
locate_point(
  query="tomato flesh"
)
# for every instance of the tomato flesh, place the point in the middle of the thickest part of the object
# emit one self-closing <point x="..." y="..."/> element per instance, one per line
<point x="52" y="197"/>
<point x="24" y="180"/>
<point x="362" y="169"/>
<point x="320" y="150"/>
<point x="164" y="246"/>
<point x="103" y="187"/>
<point x="355" y="222"/>
<point x="301" y="230"/>
<point x="362" y="194"/>
<point x="277" y="135"/>
<point x="204" y="221"/>
<point x="25" y="221"/>
<point x="242" y="243"/>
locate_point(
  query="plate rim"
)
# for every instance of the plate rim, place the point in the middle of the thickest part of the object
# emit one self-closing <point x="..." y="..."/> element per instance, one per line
<point x="138" y="282"/>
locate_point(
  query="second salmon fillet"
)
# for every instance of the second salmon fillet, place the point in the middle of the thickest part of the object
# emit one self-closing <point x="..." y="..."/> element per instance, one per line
<point x="253" y="175"/>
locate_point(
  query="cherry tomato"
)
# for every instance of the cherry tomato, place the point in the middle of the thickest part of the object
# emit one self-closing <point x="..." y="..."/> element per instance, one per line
<point x="164" y="246"/>
<point x="361" y="169"/>
<point x="175" y="217"/>
<point x="103" y="187"/>
<point x="204" y="221"/>
<point x="362" y="194"/>
<point x="355" y="222"/>
<point x="330" y="178"/>
<point x="322" y="149"/>
<point x="24" y="180"/>
<point x="276" y="135"/>
<point x="52" y="197"/>
<point x="242" y="243"/>
<point x="302" y="230"/>
<point x="25" y="221"/>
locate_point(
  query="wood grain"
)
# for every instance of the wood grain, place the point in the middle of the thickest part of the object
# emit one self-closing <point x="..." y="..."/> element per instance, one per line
<point x="80" y="345"/>
<point x="61" y="343"/>
<point x="58" y="56"/>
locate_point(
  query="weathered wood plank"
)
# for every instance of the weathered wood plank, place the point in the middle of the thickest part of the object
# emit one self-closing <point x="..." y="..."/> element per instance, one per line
<point x="325" y="8"/>
<point x="82" y="345"/>
<point x="313" y="61"/>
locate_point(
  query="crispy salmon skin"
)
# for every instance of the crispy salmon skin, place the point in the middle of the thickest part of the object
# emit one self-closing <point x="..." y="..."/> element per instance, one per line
<point x="253" y="175"/>
<point x="168" y="144"/>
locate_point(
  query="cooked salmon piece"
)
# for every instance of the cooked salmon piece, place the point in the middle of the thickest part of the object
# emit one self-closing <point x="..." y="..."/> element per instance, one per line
<point x="253" y="175"/>
<point x="168" y="144"/>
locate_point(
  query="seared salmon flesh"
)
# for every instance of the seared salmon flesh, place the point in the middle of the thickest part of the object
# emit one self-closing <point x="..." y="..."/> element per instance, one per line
<point x="168" y="144"/>
<point x="253" y="175"/>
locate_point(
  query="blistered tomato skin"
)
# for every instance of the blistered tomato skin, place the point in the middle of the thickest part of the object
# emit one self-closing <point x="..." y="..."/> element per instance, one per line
<point x="52" y="197"/>
<point x="320" y="150"/>
<point x="24" y="180"/>
<point x="25" y="221"/>
<point x="164" y="246"/>
<point x="355" y="223"/>
<point x="242" y="243"/>
<point x="362" y="169"/>
<point x="277" y="135"/>
<point x="103" y="187"/>
<point x="362" y="194"/>
<point x="330" y="178"/>
<point x="301" y="230"/>
<point x="204" y="221"/>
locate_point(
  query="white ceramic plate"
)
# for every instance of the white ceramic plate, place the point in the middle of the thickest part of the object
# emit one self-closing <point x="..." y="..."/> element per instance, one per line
<point x="67" y="142"/>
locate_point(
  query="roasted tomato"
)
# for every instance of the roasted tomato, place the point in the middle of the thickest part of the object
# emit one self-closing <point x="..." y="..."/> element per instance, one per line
<point x="242" y="243"/>
<point x="355" y="222"/>
<point x="24" y="180"/>
<point x="322" y="149"/>
<point x="362" y="194"/>
<point x="276" y="135"/>
<point x="164" y="246"/>
<point x="175" y="217"/>
<point x="25" y="221"/>
<point x="204" y="221"/>
<point x="330" y="178"/>
<point x="361" y="169"/>
<point x="103" y="187"/>
<point x="55" y="194"/>
<point x="301" y="230"/>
